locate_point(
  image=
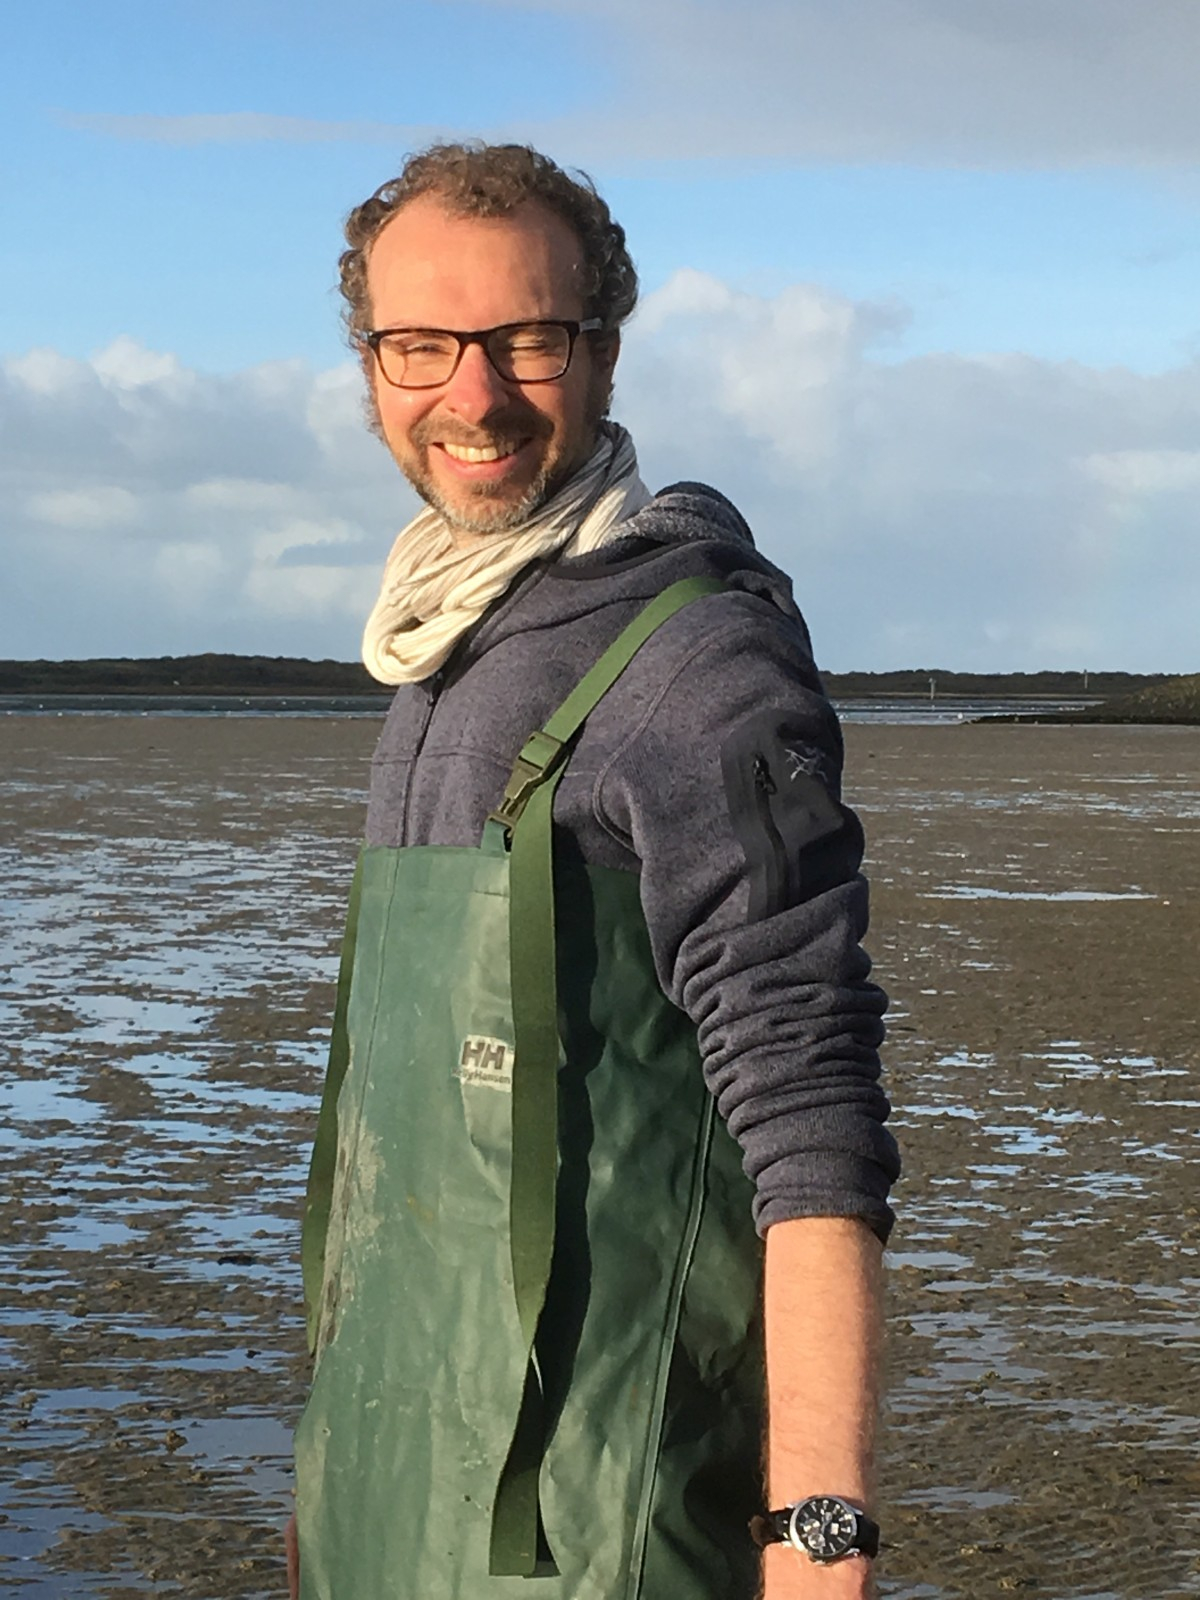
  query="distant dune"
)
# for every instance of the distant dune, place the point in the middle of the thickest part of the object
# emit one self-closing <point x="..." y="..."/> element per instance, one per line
<point x="210" y="674"/>
<point x="1130" y="697"/>
<point x="219" y="674"/>
<point x="1175" y="701"/>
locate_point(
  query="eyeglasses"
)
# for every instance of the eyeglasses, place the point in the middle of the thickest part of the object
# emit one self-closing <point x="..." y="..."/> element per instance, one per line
<point x="521" y="352"/>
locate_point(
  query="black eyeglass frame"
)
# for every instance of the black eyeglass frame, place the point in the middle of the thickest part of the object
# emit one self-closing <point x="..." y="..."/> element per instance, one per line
<point x="481" y="336"/>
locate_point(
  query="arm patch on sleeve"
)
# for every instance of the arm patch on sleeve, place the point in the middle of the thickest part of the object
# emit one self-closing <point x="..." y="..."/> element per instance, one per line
<point x="782" y="792"/>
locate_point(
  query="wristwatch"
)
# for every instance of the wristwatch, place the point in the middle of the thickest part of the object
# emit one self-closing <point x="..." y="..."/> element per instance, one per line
<point x="824" y="1527"/>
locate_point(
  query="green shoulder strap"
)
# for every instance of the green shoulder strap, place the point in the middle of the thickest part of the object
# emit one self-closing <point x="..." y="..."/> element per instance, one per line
<point x="526" y="815"/>
<point x="319" y="1193"/>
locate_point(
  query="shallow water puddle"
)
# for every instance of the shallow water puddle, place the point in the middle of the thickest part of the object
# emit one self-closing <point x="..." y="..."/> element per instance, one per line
<point x="968" y="891"/>
<point x="166" y="965"/>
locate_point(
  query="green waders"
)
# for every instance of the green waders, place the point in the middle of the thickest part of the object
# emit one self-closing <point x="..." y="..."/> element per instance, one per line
<point x="535" y="1314"/>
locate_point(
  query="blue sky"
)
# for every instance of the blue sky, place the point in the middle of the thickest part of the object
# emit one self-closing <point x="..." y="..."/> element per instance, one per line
<point x="984" y="214"/>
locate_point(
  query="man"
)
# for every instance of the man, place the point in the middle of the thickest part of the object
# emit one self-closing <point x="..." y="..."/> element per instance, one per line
<point x="536" y="1310"/>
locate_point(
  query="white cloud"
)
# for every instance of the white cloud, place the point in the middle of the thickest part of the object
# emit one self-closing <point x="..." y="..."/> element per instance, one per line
<point x="186" y="573"/>
<point x="103" y="506"/>
<point x="944" y="511"/>
<point x="150" y="509"/>
<point x="989" y="83"/>
<point x="306" y="593"/>
<point x="1147" y="472"/>
<point x="941" y="510"/>
<point x="984" y="84"/>
<point x="43" y="372"/>
<point x="241" y="127"/>
<point x="125" y="364"/>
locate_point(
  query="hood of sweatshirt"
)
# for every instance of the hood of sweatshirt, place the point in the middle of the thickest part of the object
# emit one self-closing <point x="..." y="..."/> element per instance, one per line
<point x="687" y="530"/>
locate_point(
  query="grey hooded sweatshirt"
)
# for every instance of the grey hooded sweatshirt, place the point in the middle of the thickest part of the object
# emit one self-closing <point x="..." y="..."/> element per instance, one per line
<point x="711" y="769"/>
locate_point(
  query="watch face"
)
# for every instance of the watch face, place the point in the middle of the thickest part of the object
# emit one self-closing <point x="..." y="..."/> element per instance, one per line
<point x="824" y="1527"/>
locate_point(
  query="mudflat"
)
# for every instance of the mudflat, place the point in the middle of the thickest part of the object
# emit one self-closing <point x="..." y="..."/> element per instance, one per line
<point x="173" y="890"/>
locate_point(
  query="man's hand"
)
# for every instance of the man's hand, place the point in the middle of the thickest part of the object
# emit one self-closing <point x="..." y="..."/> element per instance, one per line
<point x="788" y="1575"/>
<point x="292" y="1547"/>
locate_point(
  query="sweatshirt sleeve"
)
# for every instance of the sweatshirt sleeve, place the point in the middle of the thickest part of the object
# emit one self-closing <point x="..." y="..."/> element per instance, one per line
<point x="728" y="792"/>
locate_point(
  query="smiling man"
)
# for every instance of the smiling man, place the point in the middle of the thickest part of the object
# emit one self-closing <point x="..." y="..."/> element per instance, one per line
<point x="487" y="444"/>
<point x="600" y="1181"/>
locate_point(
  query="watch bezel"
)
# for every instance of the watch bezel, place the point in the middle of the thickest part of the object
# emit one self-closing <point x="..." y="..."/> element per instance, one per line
<point x="825" y="1507"/>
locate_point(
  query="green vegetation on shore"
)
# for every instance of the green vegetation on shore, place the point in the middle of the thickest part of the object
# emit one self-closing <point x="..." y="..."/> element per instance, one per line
<point x="1177" y="700"/>
<point x="1127" y="696"/>
<point x="185" y="675"/>
<point x="921" y="680"/>
<point x="214" y="674"/>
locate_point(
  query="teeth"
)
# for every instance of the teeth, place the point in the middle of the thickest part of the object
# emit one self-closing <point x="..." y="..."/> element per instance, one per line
<point x="470" y="452"/>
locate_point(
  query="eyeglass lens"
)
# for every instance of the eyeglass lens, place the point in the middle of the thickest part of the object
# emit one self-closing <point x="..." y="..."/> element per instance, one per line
<point x="528" y="353"/>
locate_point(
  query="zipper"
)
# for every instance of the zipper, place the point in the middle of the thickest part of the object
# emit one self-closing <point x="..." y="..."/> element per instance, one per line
<point x="433" y="689"/>
<point x="775" y="873"/>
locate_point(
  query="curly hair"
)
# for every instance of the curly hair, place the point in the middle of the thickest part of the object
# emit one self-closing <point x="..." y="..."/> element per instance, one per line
<point x="492" y="180"/>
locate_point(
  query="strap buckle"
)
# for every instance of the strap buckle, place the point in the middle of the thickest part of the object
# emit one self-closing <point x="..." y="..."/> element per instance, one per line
<point x="541" y="755"/>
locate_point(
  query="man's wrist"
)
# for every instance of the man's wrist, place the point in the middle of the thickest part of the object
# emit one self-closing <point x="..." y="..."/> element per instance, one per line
<point x="824" y="1528"/>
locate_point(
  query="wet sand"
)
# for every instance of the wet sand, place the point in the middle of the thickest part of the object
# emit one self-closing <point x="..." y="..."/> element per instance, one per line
<point x="172" y="896"/>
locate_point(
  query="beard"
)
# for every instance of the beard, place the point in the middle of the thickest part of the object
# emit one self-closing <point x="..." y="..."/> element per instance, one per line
<point x="489" y="508"/>
<point x="484" y="511"/>
<point x="484" y="507"/>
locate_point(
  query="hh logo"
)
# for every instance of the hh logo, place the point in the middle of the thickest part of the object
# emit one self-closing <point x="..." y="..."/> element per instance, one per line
<point x="486" y="1061"/>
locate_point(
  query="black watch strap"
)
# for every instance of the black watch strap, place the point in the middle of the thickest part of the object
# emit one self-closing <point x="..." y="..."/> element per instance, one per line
<point x="771" y="1528"/>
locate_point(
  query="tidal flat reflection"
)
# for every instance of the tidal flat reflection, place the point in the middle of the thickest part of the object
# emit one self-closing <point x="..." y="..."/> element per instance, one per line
<point x="173" y="890"/>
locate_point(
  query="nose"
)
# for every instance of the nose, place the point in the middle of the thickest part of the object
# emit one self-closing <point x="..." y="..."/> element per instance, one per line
<point x="476" y="389"/>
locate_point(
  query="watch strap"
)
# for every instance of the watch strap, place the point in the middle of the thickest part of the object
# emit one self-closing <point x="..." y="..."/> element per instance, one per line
<point x="771" y="1527"/>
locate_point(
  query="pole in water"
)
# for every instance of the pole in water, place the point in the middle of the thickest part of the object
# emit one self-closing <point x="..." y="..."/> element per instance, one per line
<point x="932" y="687"/>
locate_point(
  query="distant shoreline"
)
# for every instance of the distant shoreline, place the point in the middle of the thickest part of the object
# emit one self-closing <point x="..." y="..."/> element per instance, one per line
<point x="219" y="675"/>
<point x="1033" y="697"/>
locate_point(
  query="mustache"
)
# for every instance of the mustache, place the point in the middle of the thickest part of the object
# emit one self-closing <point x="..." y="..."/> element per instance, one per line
<point x="505" y="431"/>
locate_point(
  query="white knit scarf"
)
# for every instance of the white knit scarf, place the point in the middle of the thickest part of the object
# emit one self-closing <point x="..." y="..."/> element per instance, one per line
<point x="433" y="591"/>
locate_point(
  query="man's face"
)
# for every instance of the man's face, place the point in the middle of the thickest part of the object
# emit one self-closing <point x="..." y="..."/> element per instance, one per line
<point x="430" y="268"/>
